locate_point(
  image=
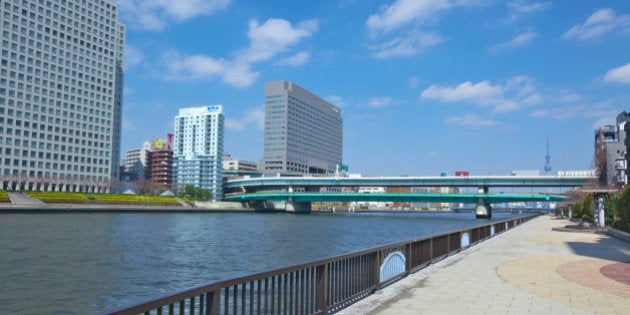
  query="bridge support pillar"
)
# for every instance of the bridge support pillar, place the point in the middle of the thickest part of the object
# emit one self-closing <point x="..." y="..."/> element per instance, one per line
<point x="297" y="207"/>
<point x="483" y="210"/>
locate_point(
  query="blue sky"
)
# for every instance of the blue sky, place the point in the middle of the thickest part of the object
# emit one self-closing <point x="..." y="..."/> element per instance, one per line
<point x="424" y="86"/>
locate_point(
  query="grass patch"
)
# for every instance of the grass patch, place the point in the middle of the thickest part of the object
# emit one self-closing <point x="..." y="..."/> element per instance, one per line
<point x="79" y="198"/>
<point x="4" y="197"/>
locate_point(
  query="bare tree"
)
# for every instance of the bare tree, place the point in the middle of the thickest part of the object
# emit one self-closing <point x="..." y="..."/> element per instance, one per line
<point x="600" y="160"/>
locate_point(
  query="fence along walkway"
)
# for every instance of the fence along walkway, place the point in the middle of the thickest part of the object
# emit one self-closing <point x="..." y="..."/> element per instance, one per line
<point x="320" y="287"/>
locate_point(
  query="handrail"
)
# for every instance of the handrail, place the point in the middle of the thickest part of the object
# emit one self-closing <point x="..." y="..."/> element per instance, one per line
<point x="319" y="287"/>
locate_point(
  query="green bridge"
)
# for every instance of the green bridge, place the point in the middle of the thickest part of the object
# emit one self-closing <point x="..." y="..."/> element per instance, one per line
<point x="297" y="193"/>
<point x="301" y="202"/>
<point x="350" y="197"/>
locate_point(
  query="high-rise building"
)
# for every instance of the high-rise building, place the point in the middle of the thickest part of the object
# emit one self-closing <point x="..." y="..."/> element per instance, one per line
<point x="303" y="133"/>
<point x="61" y="81"/>
<point x="198" y="149"/>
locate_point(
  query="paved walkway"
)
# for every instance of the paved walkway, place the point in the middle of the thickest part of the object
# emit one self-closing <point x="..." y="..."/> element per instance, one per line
<point x="529" y="270"/>
<point x="21" y="199"/>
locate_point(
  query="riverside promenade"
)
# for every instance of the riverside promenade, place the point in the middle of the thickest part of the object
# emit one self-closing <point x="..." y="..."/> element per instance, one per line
<point x="528" y="270"/>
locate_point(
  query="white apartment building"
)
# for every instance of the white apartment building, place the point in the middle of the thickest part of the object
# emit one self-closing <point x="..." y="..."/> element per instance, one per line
<point x="303" y="133"/>
<point x="61" y="82"/>
<point x="137" y="162"/>
<point x="198" y="149"/>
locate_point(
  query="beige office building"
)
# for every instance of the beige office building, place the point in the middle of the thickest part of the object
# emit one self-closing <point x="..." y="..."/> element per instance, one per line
<point x="61" y="83"/>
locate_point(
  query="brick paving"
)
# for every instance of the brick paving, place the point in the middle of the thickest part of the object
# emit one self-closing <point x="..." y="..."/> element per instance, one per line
<point x="529" y="270"/>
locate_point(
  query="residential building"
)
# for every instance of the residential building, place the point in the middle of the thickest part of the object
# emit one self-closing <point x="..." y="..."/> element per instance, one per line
<point x="161" y="162"/>
<point x="137" y="162"/>
<point x="198" y="149"/>
<point x="303" y="133"/>
<point x="61" y="83"/>
<point x="232" y="164"/>
<point x="611" y="149"/>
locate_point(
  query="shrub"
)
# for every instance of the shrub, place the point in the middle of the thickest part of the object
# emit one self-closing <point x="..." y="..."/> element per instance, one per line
<point x="4" y="197"/>
<point x="584" y="209"/>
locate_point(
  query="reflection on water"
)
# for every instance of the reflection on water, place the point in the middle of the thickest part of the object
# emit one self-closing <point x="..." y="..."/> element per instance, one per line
<point x="81" y="263"/>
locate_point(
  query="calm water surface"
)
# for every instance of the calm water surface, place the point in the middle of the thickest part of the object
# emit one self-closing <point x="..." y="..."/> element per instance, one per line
<point x="82" y="263"/>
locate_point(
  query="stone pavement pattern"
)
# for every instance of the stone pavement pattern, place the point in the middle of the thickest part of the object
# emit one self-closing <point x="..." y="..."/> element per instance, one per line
<point x="528" y="270"/>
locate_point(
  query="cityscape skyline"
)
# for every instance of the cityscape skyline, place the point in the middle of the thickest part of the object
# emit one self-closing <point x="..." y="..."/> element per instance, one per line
<point x="425" y="87"/>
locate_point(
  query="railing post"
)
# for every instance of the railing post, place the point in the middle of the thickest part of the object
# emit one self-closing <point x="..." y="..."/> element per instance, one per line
<point x="213" y="302"/>
<point x="376" y="269"/>
<point x="408" y="265"/>
<point x="321" y="288"/>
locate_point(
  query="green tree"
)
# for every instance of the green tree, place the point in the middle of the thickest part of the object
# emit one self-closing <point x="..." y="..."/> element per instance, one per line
<point x="196" y="193"/>
<point x="584" y="209"/>
<point x="621" y="215"/>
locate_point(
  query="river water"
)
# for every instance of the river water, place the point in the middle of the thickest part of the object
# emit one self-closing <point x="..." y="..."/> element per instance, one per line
<point x="84" y="263"/>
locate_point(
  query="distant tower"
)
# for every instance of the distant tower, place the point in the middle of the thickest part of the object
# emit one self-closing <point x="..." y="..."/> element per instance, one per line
<point x="547" y="160"/>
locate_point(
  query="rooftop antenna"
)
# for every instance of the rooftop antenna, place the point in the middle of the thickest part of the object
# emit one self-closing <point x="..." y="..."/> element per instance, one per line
<point x="547" y="160"/>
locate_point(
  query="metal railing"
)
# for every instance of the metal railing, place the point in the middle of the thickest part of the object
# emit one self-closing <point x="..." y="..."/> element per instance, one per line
<point x="321" y="287"/>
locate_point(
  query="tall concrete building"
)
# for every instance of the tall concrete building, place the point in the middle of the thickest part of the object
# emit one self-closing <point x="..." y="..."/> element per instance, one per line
<point x="61" y="81"/>
<point x="303" y="133"/>
<point x="198" y="149"/>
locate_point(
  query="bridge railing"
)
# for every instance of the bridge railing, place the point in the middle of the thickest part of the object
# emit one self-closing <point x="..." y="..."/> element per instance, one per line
<point x="321" y="287"/>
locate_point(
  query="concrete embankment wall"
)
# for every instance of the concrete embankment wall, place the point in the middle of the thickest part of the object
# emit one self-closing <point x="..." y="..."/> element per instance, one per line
<point x="619" y="234"/>
<point x="12" y="208"/>
<point x="220" y="205"/>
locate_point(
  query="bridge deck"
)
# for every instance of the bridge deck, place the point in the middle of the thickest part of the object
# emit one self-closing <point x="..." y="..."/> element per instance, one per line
<point x="429" y="181"/>
<point x="349" y="197"/>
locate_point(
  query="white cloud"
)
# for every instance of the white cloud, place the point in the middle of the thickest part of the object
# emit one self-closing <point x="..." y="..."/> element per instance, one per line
<point x="471" y="120"/>
<point x="156" y="14"/>
<point x="396" y="29"/>
<point x="267" y="40"/>
<point x="412" y="82"/>
<point x="518" y="41"/>
<point x="514" y="94"/>
<point x="569" y="97"/>
<point x="561" y="113"/>
<point x="336" y="100"/>
<point x="383" y="101"/>
<point x="133" y="56"/>
<point x="543" y="112"/>
<point x="240" y="75"/>
<point x="298" y="59"/>
<point x="482" y="92"/>
<point x="404" y="12"/>
<point x="198" y="67"/>
<point x="602" y="22"/>
<point x="524" y="7"/>
<point x="255" y="116"/>
<point x="618" y="75"/>
<point x="406" y="45"/>
<point x="273" y="37"/>
<point x="603" y="112"/>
